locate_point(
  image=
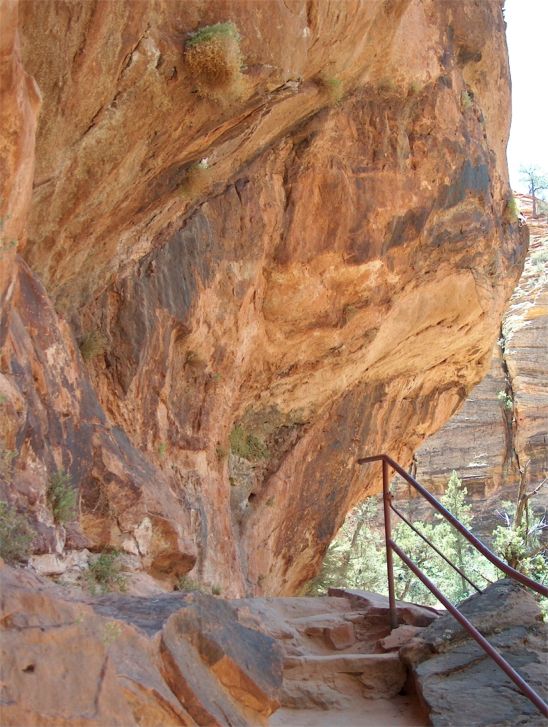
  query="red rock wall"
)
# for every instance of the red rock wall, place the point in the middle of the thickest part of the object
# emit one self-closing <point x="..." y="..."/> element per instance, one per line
<point x="500" y="435"/>
<point x="328" y="283"/>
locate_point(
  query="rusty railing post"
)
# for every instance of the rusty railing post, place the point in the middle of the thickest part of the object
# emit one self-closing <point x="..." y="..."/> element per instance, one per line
<point x="388" y="540"/>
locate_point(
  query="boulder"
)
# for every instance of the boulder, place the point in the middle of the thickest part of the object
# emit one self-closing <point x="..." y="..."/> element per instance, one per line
<point x="460" y="685"/>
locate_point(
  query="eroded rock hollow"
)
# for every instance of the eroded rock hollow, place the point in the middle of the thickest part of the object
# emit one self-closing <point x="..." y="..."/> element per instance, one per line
<point x="212" y="305"/>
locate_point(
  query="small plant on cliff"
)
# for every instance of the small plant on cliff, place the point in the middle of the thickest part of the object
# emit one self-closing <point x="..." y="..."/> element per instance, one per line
<point x="16" y="535"/>
<point x="61" y="497"/>
<point x="332" y="87"/>
<point x="92" y="344"/>
<point x="105" y="573"/>
<point x="506" y="400"/>
<point x="214" y="59"/>
<point x="6" y="463"/>
<point x="511" y="211"/>
<point x="186" y="583"/>
<point x="246" y="445"/>
<point x="466" y="99"/>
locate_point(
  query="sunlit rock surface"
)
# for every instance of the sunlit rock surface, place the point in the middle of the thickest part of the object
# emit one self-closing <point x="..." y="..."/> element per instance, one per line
<point x="500" y="436"/>
<point x="330" y="284"/>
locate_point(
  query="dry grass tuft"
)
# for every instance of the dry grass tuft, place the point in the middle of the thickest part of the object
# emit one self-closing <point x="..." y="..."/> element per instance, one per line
<point x="214" y="59"/>
<point x="92" y="344"/>
<point x="332" y="87"/>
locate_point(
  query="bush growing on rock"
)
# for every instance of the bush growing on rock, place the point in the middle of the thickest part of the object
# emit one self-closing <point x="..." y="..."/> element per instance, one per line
<point x="214" y="59"/>
<point x="16" y="535"/>
<point x="92" y="344"/>
<point x="332" y="87"/>
<point x="61" y="497"/>
<point x="105" y="573"/>
<point x="246" y="445"/>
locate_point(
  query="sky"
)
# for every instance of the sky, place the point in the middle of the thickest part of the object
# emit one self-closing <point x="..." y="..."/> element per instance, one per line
<point x="527" y="35"/>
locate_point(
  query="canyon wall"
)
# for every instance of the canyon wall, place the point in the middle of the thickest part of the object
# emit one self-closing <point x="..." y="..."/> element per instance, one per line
<point x="500" y="435"/>
<point x="212" y="303"/>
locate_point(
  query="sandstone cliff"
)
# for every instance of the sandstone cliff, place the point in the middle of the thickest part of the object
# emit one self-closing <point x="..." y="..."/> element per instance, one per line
<point x="212" y="304"/>
<point x="501" y="433"/>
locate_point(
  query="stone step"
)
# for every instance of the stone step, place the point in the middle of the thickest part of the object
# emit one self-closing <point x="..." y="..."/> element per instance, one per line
<point x="377" y="605"/>
<point x="307" y="606"/>
<point x="380" y="675"/>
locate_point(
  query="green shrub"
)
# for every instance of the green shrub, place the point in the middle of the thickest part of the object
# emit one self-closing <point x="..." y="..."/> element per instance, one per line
<point x="61" y="497"/>
<point x="6" y="463"/>
<point x="92" y="344"/>
<point x="466" y="100"/>
<point x="506" y="400"/>
<point x="333" y="88"/>
<point x="539" y="259"/>
<point x="214" y="59"/>
<point x="16" y="535"/>
<point x="105" y="573"/>
<point x="511" y="211"/>
<point x="246" y="445"/>
<point x="185" y="583"/>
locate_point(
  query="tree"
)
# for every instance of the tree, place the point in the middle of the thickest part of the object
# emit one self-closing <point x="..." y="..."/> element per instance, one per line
<point x="536" y="182"/>
<point x="357" y="556"/>
<point x="519" y="539"/>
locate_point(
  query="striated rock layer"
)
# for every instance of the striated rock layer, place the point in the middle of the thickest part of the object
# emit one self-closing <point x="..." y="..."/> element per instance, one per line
<point x="500" y="436"/>
<point x="263" y="286"/>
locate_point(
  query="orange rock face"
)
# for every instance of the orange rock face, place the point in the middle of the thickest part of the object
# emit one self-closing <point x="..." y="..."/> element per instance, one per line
<point x="500" y="434"/>
<point x="264" y="286"/>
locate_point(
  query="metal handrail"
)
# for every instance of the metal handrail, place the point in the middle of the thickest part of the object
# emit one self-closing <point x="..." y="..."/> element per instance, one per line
<point x="483" y="549"/>
<point x="391" y="547"/>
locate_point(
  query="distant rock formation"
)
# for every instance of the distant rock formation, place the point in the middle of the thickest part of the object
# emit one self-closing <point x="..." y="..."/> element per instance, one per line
<point x="501" y="432"/>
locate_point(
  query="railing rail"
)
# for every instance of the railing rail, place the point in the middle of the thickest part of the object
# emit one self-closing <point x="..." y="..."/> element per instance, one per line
<point x="392" y="547"/>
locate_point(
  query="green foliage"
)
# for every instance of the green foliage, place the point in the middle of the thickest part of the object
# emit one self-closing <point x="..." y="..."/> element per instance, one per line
<point x="506" y="400"/>
<point x="61" y="497"/>
<point x="387" y="86"/>
<point x="333" y="88"/>
<point x="357" y="557"/>
<point x="111" y="632"/>
<point x="518" y="541"/>
<point x="186" y="583"/>
<point x="246" y="445"/>
<point x="105" y="573"/>
<point x="216" y="590"/>
<point x="511" y="211"/>
<point x="414" y="88"/>
<point x="210" y="32"/>
<point x="539" y="259"/>
<point x="6" y="463"/>
<point x="16" y="535"/>
<point x="92" y="344"/>
<point x="466" y="99"/>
